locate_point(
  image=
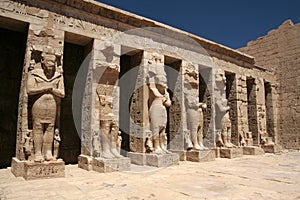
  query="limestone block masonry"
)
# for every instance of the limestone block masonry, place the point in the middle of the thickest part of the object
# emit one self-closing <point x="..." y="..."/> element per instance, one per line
<point x="146" y="93"/>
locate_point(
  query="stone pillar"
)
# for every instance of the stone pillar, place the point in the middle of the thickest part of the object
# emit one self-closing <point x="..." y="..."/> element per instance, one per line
<point x="177" y="118"/>
<point x="141" y="137"/>
<point x="42" y="39"/>
<point x="139" y="123"/>
<point x="242" y="112"/>
<point x="100" y="122"/>
<point x="261" y="108"/>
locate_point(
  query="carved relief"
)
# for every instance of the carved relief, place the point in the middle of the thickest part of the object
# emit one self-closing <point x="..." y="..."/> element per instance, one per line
<point x="45" y="88"/>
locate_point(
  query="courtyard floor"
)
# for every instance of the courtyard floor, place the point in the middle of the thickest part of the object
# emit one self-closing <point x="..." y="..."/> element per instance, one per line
<point x="266" y="176"/>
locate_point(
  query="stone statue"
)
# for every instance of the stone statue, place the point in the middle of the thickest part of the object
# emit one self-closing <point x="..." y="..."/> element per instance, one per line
<point x="28" y="144"/>
<point x="158" y="100"/>
<point x="223" y="122"/>
<point x="110" y="141"/>
<point x="46" y="87"/>
<point x="226" y="131"/>
<point x="194" y="109"/>
<point x="56" y="144"/>
<point x="195" y="121"/>
<point x="96" y="144"/>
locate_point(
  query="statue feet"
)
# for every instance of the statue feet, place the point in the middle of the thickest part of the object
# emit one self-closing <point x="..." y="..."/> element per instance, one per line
<point x="229" y="145"/>
<point x="116" y="153"/>
<point x="48" y="157"/>
<point x="203" y="147"/>
<point x="159" y="150"/>
<point x="166" y="150"/>
<point x="107" y="154"/>
<point x="38" y="158"/>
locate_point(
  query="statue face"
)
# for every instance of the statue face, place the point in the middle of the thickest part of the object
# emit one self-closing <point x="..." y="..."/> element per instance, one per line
<point x="49" y="65"/>
<point x="161" y="80"/>
<point x="220" y="76"/>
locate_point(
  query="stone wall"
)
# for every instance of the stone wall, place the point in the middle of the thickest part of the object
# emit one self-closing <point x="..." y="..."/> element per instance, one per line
<point x="279" y="52"/>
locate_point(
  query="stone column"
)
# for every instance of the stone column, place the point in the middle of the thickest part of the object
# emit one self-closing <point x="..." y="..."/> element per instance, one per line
<point x="177" y="118"/>
<point x="139" y="123"/>
<point x="43" y="38"/>
<point x="100" y="122"/>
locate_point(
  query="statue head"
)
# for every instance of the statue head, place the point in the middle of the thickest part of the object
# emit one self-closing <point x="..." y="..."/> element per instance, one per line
<point x="48" y="64"/>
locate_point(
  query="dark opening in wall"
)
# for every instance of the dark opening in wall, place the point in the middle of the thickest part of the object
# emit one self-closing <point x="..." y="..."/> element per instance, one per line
<point x="205" y="88"/>
<point x="252" y="110"/>
<point x="13" y="38"/>
<point x="172" y="68"/>
<point x="231" y="93"/>
<point x="130" y="58"/>
<point x="269" y="110"/>
<point x="76" y="48"/>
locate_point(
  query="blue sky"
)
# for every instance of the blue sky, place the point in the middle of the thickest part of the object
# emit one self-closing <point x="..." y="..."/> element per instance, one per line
<point x="232" y="23"/>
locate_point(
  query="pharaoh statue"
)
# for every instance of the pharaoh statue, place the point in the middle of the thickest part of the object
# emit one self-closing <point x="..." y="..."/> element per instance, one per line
<point x="194" y="110"/>
<point x="109" y="136"/>
<point x="223" y="122"/>
<point x="45" y="87"/>
<point x="158" y="101"/>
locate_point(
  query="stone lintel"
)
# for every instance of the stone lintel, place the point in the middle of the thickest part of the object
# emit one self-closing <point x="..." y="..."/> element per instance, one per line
<point x="201" y="156"/>
<point x="154" y="160"/>
<point x="253" y="150"/>
<point x="231" y="152"/>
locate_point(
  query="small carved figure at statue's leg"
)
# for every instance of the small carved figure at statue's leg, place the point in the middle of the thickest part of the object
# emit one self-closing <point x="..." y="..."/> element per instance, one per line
<point x="164" y="141"/>
<point x="37" y="133"/>
<point x="48" y="141"/>
<point x="114" y="134"/>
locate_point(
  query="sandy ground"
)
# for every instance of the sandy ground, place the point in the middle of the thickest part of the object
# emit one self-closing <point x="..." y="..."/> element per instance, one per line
<point x="267" y="176"/>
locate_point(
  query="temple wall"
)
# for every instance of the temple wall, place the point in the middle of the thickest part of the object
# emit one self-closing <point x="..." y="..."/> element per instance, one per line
<point x="81" y="32"/>
<point x="279" y="51"/>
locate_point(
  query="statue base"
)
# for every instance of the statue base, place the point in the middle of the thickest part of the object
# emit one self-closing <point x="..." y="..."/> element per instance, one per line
<point x="182" y="154"/>
<point x="201" y="156"/>
<point x="103" y="165"/>
<point x="154" y="160"/>
<point x="253" y="150"/>
<point x="272" y="148"/>
<point x="231" y="153"/>
<point x="33" y="170"/>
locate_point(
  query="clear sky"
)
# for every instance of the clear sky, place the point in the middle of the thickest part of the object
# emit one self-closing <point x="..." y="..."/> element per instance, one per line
<point x="232" y="23"/>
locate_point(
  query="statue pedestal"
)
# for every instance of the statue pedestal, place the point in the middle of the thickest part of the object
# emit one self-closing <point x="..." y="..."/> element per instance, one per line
<point x="34" y="170"/>
<point x="103" y="165"/>
<point x="253" y="150"/>
<point x="201" y="156"/>
<point x="231" y="153"/>
<point x="154" y="160"/>
<point x="272" y="148"/>
<point x="182" y="154"/>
